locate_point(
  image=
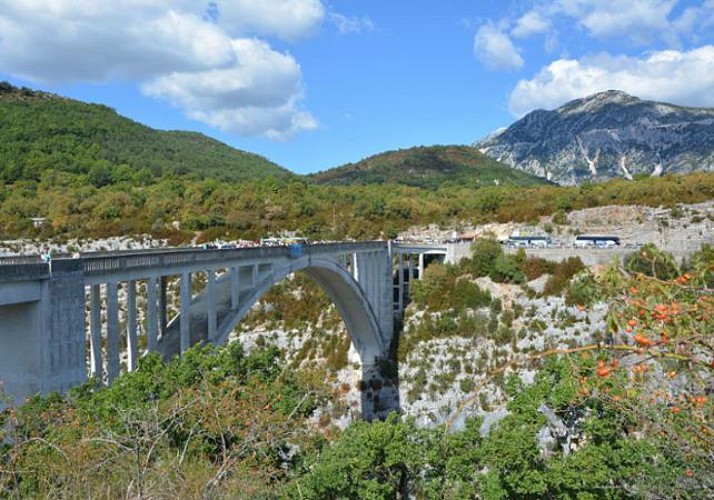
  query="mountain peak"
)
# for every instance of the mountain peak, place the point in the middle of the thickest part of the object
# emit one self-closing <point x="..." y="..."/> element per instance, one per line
<point x="596" y="102"/>
<point x="607" y="135"/>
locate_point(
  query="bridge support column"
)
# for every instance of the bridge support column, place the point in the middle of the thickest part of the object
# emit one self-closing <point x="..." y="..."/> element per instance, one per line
<point x="421" y="266"/>
<point x="212" y="317"/>
<point x="372" y="284"/>
<point x="131" y="338"/>
<point x="185" y="312"/>
<point x="385" y="292"/>
<point x="235" y="287"/>
<point x="112" y="331"/>
<point x="95" y="338"/>
<point x="380" y="390"/>
<point x="152" y="314"/>
<point x="400" y="281"/>
<point x="42" y="333"/>
<point x="163" y="311"/>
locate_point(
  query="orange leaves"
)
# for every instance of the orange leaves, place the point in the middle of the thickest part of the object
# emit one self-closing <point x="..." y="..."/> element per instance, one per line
<point x="639" y="369"/>
<point x="642" y="340"/>
<point x="664" y="312"/>
<point x="664" y="337"/>
<point x="684" y="279"/>
<point x="602" y="369"/>
<point x="698" y="401"/>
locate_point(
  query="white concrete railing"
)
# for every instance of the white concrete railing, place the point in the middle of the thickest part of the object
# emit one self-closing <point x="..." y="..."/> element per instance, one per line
<point x="166" y="259"/>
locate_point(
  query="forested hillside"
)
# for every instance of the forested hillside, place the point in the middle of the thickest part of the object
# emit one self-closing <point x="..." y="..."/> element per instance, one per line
<point x="209" y="209"/>
<point x="92" y="173"/>
<point x="41" y="132"/>
<point x="428" y="167"/>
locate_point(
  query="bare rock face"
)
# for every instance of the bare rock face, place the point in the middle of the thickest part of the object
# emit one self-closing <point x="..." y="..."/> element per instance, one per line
<point x="606" y="135"/>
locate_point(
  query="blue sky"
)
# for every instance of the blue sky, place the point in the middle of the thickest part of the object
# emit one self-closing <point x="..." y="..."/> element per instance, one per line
<point x="314" y="84"/>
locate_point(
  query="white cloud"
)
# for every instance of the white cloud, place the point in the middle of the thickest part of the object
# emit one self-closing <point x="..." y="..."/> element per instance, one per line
<point x="638" y="20"/>
<point x="258" y="95"/>
<point x="531" y="23"/>
<point x="197" y="55"/>
<point x="347" y="25"/>
<point x="286" y="19"/>
<point x="680" y="77"/>
<point x="495" y="49"/>
<point x="279" y="123"/>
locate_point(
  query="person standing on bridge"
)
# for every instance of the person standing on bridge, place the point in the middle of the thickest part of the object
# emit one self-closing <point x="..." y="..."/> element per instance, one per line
<point x="46" y="255"/>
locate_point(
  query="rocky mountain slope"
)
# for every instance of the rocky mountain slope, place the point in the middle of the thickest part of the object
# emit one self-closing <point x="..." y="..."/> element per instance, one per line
<point x="606" y="135"/>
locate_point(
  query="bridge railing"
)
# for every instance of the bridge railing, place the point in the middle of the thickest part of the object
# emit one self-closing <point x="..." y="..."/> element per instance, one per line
<point x="19" y="260"/>
<point x="22" y="271"/>
<point x="174" y="258"/>
<point x="102" y="262"/>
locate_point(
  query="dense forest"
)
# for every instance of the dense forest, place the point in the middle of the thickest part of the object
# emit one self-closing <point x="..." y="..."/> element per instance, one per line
<point x="41" y="132"/>
<point x="250" y="210"/>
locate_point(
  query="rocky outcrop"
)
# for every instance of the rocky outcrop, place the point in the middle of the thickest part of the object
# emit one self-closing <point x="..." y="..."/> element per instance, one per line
<point x="607" y="135"/>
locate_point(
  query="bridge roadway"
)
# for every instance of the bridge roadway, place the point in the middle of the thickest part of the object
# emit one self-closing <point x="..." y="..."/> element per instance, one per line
<point x="44" y="340"/>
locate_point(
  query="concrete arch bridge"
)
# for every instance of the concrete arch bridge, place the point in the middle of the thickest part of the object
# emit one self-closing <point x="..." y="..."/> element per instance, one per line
<point x="45" y="344"/>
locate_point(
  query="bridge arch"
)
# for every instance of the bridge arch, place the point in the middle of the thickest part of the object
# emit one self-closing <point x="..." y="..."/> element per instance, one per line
<point x="356" y="276"/>
<point x="342" y="289"/>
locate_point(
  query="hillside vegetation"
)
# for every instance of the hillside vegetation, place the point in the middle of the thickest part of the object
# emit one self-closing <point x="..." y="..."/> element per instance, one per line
<point x="92" y="173"/>
<point x="41" y="132"/>
<point x="255" y="209"/>
<point x="429" y="168"/>
<point x="627" y="417"/>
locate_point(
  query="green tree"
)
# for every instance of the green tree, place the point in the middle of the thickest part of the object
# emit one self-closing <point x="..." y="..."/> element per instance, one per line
<point x="651" y="261"/>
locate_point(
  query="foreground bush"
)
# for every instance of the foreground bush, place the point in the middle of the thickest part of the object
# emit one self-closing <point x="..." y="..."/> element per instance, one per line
<point x="630" y="416"/>
<point x="216" y="423"/>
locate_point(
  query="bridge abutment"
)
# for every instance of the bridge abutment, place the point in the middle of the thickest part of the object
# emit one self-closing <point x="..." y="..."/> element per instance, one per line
<point x="42" y="338"/>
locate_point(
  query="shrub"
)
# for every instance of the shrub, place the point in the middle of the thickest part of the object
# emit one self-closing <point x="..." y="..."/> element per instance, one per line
<point x="484" y="253"/>
<point x="561" y="275"/>
<point x="507" y="269"/>
<point x="535" y="267"/>
<point x="583" y="289"/>
<point x="651" y="261"/>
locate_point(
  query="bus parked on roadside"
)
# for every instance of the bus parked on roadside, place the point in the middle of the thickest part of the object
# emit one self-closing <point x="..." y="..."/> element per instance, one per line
<point x="592" y="241"/>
